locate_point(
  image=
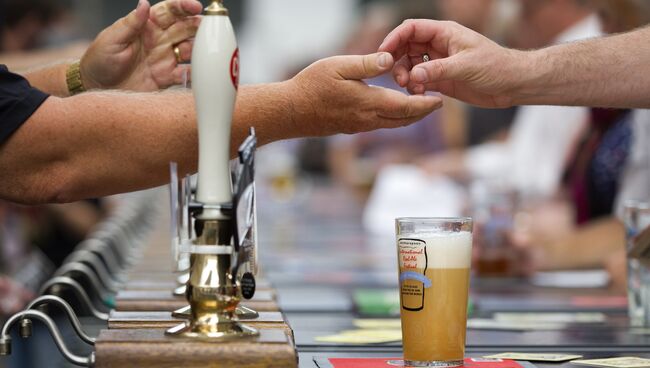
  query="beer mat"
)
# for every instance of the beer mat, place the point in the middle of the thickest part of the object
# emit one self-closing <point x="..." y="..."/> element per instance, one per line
<point x="363" y="336"/>
<point x="324" y="362"/>
<point x="590" y="279"/>
<point x="377" y="323"/>
<point x="556" y="317"/>
<point x="546" y="303"/>
<point x="491" y="324"/>
<point x="382" y="302"/>
<point x="618" y="362"/>
<point x="535" y="357"/>
<point x="600" y="301"/>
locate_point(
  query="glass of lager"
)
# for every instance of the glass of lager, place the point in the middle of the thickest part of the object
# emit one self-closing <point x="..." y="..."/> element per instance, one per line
<point x="434" y="257"/>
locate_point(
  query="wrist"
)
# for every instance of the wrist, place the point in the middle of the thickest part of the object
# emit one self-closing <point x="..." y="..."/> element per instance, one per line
<point x="86" y="77"/>
<point x="73" y="79"/>
<point x="300" y="108"/>
<point x="533" y="73"/>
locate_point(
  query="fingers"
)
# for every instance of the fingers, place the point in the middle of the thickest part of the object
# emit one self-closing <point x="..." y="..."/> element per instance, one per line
<point x="181" y="31"/>
<point x="357" y="67"/>
<point x="166" y="13"/>
<point x="182" y="75"/>
<point x="128" y="28"/>
<point x="185" y="49"/>
<point x="437" y="70"/>
<point x="417" y="31"/>
<point x="396" y="105"/>
<point x="401" y="71"/>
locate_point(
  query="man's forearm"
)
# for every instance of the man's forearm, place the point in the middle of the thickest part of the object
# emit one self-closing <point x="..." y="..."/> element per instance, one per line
<point x="51" y="80"/>
<point x="112" y="142"/>
<point x="607" y="72"/>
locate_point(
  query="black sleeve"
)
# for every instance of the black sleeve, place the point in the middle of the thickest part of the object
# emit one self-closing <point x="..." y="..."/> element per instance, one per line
<point x="18" y="101"/>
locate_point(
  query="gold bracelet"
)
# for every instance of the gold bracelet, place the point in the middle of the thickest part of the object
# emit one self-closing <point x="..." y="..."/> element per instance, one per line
<point x="73" y="79"/>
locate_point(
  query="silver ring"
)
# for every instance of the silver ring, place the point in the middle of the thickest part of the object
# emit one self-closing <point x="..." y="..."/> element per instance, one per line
<point x="425" y="58"/>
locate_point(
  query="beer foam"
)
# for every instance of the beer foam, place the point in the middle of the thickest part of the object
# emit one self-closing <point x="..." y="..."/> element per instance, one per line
<point x="447" y="249"/>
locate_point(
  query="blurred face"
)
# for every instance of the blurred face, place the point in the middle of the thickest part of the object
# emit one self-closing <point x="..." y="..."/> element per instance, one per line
<point x="24" y="35"/>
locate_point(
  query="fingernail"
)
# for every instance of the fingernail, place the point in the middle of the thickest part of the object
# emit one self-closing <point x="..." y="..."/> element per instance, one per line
<point x="382" y="60"/>
<point x="419" y="75"/>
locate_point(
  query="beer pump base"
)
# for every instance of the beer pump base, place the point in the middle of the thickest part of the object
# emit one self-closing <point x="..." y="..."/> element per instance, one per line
<point x="241" y="312"/>
<point x="221" y="331"/>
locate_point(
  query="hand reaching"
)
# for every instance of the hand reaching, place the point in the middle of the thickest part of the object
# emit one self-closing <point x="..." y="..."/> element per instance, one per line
<point x="137" y="52"/>
<point x="463" y="64"/>
<point x="330" y="97"/>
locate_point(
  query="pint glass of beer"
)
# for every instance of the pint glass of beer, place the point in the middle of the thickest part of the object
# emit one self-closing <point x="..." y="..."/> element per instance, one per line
<point x="434" y="256"/>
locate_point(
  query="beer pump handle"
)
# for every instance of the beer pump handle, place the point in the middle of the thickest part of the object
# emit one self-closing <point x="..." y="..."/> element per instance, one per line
<point x="215" y="69"/>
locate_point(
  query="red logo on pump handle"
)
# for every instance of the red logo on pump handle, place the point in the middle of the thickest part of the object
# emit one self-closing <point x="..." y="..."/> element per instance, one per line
<point x="234" y="68"/>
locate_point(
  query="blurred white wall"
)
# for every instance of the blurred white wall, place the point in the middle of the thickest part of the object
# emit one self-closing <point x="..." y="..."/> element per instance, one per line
<point x="279" y="35"/>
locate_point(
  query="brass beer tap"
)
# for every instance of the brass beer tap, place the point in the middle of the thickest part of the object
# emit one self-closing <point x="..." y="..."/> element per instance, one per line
<point x="213" y="290"/>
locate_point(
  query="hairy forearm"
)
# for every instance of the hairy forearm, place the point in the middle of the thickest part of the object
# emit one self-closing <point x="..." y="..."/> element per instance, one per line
<point x="101" y="143"/>
<point x="50" y="80"/>
<point x="608" y="72"/>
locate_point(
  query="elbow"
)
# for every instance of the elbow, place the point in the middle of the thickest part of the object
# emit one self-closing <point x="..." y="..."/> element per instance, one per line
<point x="43" y="187"/>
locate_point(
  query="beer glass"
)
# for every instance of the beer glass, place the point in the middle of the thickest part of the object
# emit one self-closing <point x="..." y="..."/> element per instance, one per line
<point x="434" y="257"/>
<point x="636" y="218"/>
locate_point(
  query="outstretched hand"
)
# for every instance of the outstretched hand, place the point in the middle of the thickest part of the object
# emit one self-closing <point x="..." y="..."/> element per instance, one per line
<point x="331" y="97"/>
<point x="462" y="63"/>
<point x="137" y="51"/>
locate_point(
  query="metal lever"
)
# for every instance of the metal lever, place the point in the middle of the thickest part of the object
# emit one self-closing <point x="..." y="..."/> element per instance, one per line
<point x="53" y="299"/>
<point x="5" y="339"/>
<point x="94" y="261"/>
<point x="106" y="247"/>
<point x="53" y="286"/>
<point x="105" y="251"/>
<point x="69" y="269"/>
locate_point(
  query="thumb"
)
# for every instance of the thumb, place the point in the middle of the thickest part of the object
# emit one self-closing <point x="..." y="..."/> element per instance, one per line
<point x="437" y="70"/>
<point x="129" y="27"/>
<point x="358" y="67"/>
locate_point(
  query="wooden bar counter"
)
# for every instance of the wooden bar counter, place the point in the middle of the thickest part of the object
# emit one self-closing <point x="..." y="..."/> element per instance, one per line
<point x="151" y="348"/>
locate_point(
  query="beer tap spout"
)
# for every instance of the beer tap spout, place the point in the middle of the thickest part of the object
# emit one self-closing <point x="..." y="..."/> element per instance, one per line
<point x="5" y="339"/>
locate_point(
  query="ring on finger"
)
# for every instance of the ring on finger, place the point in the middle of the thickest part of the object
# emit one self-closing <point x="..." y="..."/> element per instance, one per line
<point x="425" y="58"/>
<point x="177" y="54"/>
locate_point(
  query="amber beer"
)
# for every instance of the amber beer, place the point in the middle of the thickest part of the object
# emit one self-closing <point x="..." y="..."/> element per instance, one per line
<point x="434" y="257"/>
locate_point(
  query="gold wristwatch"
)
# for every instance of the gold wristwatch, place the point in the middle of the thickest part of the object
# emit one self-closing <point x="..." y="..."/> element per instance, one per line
<point x="73" y="79"/>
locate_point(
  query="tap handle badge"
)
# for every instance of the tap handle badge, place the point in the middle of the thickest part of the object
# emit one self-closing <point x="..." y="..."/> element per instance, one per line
<point x="234" y="68"/>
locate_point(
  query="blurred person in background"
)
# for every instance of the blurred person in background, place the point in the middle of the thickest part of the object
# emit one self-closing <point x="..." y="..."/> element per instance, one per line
<point x="354" y="160"/>
<point x="532" y="158"/>
<point x="609" y="166"/>
<point x="526" y="167"/>
<point x="466" y="125"/>
<point x="23" y="23"/>
<point x="25" y="30"/>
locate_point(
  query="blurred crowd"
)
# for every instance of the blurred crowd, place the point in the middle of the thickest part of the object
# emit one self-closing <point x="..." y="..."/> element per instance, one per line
<point x="541" y="182"/>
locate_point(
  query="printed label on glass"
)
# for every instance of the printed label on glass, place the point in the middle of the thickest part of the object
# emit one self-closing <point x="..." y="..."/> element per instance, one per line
<point x="412" y="258"/>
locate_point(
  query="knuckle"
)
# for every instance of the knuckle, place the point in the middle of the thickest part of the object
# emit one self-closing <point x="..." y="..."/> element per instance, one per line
<point x="366" y="64"/>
